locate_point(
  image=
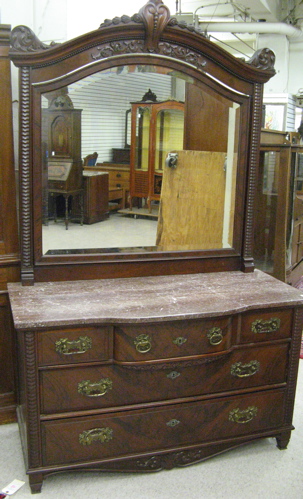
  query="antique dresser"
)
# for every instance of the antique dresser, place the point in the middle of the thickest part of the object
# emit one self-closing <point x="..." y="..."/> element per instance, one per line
<point x="132" y="357"/>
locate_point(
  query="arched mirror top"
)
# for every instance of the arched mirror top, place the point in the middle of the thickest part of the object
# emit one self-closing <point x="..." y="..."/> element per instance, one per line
<point x="184" y="114"/>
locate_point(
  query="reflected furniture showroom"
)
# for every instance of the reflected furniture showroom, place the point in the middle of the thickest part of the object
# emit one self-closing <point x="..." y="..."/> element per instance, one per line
<point x="152" y="357"/>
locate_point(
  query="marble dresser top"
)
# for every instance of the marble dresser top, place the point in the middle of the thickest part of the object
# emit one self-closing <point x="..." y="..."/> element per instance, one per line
<point x="152" y="299"/>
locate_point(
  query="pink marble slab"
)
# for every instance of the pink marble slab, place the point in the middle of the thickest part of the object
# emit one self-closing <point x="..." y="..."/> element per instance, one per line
<point x="152" y="299"/>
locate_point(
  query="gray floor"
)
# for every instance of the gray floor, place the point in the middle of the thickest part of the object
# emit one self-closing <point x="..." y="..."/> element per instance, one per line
<point x="257" y="470"/>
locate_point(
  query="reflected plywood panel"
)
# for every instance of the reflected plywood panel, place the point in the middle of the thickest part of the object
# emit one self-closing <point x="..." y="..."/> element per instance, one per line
<point x="192" y="202"/>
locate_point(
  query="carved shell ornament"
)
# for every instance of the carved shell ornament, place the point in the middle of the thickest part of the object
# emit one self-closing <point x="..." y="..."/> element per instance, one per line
<point x="155" y="17"/>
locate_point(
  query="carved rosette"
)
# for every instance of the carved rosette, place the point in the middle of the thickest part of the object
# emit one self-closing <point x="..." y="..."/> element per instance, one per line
<point x="263" y="59"/>
<point x="23" y="39"/>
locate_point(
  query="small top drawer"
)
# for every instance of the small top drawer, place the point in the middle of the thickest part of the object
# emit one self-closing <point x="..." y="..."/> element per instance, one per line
<point x="171" y="340"/>
<point x="266" y="325"/>
<point x="69" y="346"/>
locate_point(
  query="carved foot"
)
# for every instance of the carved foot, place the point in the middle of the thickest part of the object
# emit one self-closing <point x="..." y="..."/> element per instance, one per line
<point x="283" y="439"/>
<point x="35" y="482"/>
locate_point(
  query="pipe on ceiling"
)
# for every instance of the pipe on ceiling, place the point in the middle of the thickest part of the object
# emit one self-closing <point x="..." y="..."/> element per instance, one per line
<point x="292" y="33"/>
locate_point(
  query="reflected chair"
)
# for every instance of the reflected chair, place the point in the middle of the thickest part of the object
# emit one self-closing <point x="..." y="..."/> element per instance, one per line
<point x="90" y="159"/>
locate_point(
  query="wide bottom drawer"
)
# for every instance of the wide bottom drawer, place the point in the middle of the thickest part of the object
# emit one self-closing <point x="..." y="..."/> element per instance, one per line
<point x="128" y="433"/>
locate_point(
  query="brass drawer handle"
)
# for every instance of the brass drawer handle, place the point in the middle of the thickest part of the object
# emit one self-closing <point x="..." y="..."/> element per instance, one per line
<point x="70" y="347"/>
<point x="142" y="343"/>
<point x="97" y="389"/>
<point x="96" y="435"/>
<point x="261" y="326"/>
<point x="172" y="423"/>
<point x="215" y="336"/>
<point x="118" y="185"/>
<point x="180" y="341"/>
<point x="245" y="370"/>
<point x="242" y="417"/>
<point x="118" y="175"/>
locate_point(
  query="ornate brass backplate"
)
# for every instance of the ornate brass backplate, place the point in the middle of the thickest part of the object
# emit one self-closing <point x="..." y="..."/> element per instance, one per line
<point x="180" y="341"/>
<point x="245" y="416"/>
<point x="265" y="326"/>
<point x="95" y="389"/>
<point x="102" y="435"/>
<point x="70" y="347"/>
<point x="173" y="422"/>
<point x="245" y="370"/>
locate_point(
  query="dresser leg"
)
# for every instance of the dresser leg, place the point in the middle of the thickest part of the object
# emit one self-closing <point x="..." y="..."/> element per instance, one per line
<point x="35" y="482"/>
<point x="283" y="439"/>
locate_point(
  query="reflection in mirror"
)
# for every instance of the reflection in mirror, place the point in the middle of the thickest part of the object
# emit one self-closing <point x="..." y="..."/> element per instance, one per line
<point x="130" y="200"/>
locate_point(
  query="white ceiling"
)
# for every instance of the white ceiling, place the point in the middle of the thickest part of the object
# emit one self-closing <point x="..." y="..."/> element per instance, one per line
<point x="269" y="10"/>
<point x="199" y="12"/>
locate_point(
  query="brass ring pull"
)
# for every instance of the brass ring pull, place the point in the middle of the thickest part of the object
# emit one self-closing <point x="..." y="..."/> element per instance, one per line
<point x="180" y="341"/>
<point x="242" y="417"/>
<point x="262" y="326"/>
<point x="215" y="336"/>
<point x="65" y="346"/>
<point x="245" y="370"/>
<point x="97" y="389"/>
<point x="96" y="435"/>
<point x="142" y="343"/>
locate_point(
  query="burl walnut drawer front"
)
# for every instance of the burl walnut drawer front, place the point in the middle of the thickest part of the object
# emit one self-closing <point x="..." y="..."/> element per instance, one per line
<point x="172" y="339"/>
<point x="75" y="345"/>
<point x="75" y="389"/>
<point x="266" y="325"/>
<point x="123" y="434"/>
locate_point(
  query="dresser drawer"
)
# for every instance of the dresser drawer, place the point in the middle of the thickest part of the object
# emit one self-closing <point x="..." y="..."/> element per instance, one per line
<point x="172" y="339"/>
<point x="76" y="389"/>
<point x="74" y="345"/>
<point x="119" y="179"/>
<point x="125" y="434"/>
<point x="266" y="325"/>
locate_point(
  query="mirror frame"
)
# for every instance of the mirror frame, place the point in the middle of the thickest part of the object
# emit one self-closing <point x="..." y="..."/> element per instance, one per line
<point x="150" y="37"/>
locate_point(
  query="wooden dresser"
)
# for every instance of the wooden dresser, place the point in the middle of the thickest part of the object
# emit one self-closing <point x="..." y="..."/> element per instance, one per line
<point x="142" y="374"/>
<point x="139" y="358"/>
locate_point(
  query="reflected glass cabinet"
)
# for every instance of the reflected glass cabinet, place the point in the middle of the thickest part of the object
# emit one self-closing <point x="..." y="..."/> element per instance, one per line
<point x="156" y="129"/>
<point x="278" y="232"/>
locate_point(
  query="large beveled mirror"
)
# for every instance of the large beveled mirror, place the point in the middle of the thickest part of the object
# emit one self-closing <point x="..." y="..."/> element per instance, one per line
<point x="195" y="208"/>
<point x="139" y="145"/>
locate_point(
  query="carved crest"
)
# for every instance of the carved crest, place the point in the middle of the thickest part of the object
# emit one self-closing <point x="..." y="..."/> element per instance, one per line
<point x="155" y="16"/>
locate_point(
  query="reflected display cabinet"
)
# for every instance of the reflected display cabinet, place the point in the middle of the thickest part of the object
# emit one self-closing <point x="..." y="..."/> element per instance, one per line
<point x="142" y="357"/>
<point x="278" y="215"/>
<point x="157" y="128"/>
